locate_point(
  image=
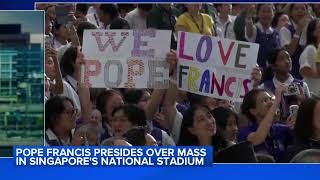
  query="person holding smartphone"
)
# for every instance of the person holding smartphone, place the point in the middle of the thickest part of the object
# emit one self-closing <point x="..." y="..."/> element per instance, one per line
<point x="280" y="62"/>
<point x="267" y="137"/>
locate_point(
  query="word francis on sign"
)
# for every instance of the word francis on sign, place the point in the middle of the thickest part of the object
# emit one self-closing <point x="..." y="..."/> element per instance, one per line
<point x="126" y="58"/>
<point x="215" y="67"/>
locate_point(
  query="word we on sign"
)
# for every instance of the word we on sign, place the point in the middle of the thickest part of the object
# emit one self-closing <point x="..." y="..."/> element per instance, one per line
<point x="215" y="67"/>
<point x="126" y="58"/>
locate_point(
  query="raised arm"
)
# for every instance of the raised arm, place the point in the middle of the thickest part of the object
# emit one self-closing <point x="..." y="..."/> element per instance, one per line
<point x="84" y="96"/>
<point x="260" y="135"/>
<point x="294" y="43"/>
<point x="309" y="72"/>
<point x="154" y="102"/>
<point x="75" y="42"/>
<point x="57" y="88"/>
<point x="256" y="76"/>
<point x="84" y="93"/>
<point x="169" y="103"/>
<point x="250" y="30"/>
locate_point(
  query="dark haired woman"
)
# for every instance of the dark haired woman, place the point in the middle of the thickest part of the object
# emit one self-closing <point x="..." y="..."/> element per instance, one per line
<point x="227" y="123"/>
<point x="106" y="102"/>
<point x="260" y="109"/>
<point x="139" y="136"/>
<point x="307" y="128"/>
<point x="194" y="21"/>
<point x="280" y="20"/>
<point x="199" y="128"/>
<point x="60" y="120"/>
<point x="293" y="37"/>
<point x="109" y="15"/>
<point x="309" y="64"/>
<point x="126" y="117"/>
<point x="143" y="99"/>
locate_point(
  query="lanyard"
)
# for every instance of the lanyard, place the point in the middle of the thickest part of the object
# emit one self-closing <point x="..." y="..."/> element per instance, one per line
<point x="74" y="88"/>
<point x="194" y="21"/>
<point x="96" y="19"/>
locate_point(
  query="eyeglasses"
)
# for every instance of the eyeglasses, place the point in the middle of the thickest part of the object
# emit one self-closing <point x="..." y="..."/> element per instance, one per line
<point x="71" y="112"/>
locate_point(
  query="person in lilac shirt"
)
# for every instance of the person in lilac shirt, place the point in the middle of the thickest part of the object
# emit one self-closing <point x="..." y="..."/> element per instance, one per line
<point x="268" y="137"/>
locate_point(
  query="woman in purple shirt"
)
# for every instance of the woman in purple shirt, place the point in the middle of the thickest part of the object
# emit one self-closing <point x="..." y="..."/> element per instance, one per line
<point x="268" y="137"/>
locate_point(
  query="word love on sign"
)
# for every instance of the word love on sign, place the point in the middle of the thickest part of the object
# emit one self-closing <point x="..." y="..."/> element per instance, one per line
<point x="126" y="58"/>
<point x="219" y="68"/>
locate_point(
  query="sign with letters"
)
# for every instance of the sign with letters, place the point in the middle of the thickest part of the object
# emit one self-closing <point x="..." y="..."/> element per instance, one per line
<point x="215" y="67"/>
<point x="126" y="58"/>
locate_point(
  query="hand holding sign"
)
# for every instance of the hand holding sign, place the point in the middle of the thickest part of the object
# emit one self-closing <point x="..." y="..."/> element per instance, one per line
<point x="256" y="76"/>
<point x="172" y="60"/>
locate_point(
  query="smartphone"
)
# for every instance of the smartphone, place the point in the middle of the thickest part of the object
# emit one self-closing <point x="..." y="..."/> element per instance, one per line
<point x="293" y="109"/>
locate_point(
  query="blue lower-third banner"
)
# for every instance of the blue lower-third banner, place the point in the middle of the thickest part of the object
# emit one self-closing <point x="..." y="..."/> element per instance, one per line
<point x="113" y="156"/>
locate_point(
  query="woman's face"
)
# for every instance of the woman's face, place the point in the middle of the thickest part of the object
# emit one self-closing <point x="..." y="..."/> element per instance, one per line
<point x="226" y="9"/>
<point x="316" y="118"/>
<point x="231" y="131"/>
<point x="316" y="32"/>
<point x="51" y="13"/>
<point x="298" y="12"/>
<point x="67" y="119"/>
<point x="120" y="123"/>
<point x="144" y="100"/>
<point x="48" y="27"/>
<point x="114" y="101"/>
<point x="193" y="8"/>
<point x="283" y="21"/>
<point x="263" y="103"/>
<point x="204" y="125"/>
<point x="265" y="14"/>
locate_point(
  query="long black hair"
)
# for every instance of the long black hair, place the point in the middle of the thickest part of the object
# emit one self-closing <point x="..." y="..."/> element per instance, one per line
<point x="275" y="19"/>
<point x="133" y="96"/>
<point x="304" y="128"/>
<point x="110" y="9"/>
<point x="68" y="61"/>
<point x="53" y="108"/>
<point x="221" y="115"/>
<point x="310" y="30"/>
<point x="135" y="115"/>
<point x="249" y="102"/>
<point x="188" y="139"/>
<point x="102" y="100"/>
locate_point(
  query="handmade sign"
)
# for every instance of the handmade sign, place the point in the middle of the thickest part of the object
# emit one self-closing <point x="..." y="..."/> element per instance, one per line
<point x="215" y="67"/>
<point x="126" y="58"/>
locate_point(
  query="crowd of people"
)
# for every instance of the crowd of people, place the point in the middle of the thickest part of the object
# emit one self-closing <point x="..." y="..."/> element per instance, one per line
<point x="276" y="122"/>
